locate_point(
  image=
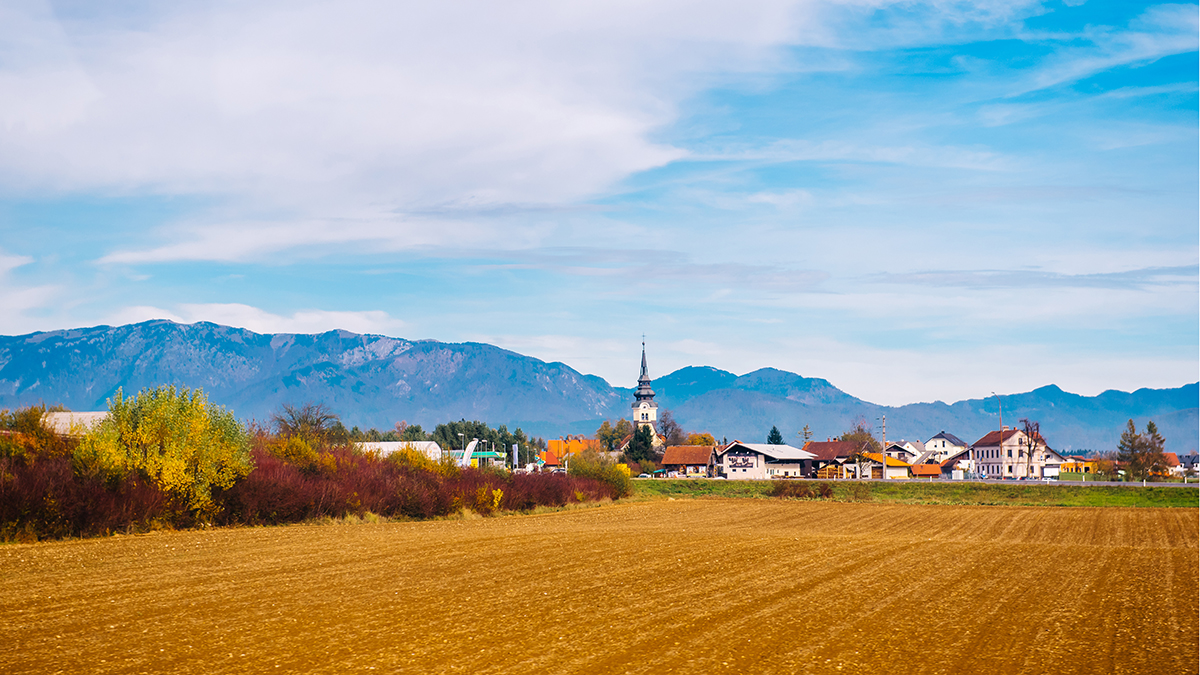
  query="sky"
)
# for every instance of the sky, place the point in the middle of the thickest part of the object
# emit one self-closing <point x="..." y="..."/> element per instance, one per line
<point x="916" y="201"/>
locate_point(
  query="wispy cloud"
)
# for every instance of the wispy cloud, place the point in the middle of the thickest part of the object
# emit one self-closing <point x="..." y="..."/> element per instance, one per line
<point x="261" y="321"/>
<point x="1160" y="31"/>
<point x="23" y="307"/>
<point x="1138" y="279"/>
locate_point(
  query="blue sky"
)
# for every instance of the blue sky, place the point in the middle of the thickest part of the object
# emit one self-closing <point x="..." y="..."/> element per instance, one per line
<point x="915" y="201"/>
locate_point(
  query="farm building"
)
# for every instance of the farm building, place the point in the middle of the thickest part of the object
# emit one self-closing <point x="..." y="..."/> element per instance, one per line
<point x="72" y="423"/>
<point x="830" y="458"/>
<point x="689" y="460"/>
<point x="896" y="468"/>
<point x="428" y="448"/>
<point x="760" y="461"/>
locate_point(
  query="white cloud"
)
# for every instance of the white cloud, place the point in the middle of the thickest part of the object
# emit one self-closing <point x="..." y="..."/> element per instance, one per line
<point x="333" y="113"/>
<point x="21" y="305"/>
<point x="261" y="321"/>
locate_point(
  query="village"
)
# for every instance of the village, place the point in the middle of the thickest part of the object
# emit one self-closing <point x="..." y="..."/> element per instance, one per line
<point x="1008" y="453"/>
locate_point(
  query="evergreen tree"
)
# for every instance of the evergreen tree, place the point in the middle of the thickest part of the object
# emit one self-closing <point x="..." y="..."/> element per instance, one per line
<point x="1141" y="455"/>
<point x="641" y="447"/>
<point x="775" y="438"/>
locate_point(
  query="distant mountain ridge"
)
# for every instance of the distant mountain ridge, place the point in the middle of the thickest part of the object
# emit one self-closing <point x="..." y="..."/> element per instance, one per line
<point x="374" y="380"/>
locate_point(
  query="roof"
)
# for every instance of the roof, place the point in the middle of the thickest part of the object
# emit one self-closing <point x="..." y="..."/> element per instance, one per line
<point x="915" y="447"/>
<point x="1172" y="458"/>
<point x="926" y="457"/>
<point x="687" y="454"/>
<point x="956" y="458"/>
<point x="891" y="461"/>
<point x="922" y="470"/>
<point x="828" y="450"/>
<point x="65" y="423"/>
<point x="993" y="437"/>
<point x="772" y="451"/>
<point x="385" y="448"/>
<point x="951" y="438"/>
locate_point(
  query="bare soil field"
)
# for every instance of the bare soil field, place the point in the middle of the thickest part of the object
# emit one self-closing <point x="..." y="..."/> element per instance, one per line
<point x="688" y="586"/>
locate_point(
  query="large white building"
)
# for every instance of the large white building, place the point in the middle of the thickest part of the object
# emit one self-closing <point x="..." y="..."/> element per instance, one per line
<point x="762" y="461"/>
<point x="1012" y="454"/>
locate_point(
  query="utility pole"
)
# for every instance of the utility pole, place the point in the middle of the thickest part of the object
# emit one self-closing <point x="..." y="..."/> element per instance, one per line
<point x="1000" y="444"/>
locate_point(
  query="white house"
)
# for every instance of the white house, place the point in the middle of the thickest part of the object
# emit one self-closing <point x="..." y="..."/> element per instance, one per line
<point x="762" y="461"/>
<point x="1011" y="454"/>
<point x="905" y="451"/>
<point x="944" y="446"/>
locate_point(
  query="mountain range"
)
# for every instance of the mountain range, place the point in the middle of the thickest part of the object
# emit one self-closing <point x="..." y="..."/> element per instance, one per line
<point x="376" y="381"/>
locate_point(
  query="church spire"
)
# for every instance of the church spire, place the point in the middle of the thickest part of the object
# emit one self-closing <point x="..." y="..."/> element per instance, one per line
<point x="645" y="377"/>
<point x="644" y="392"/>
<point x="645" y="410"/>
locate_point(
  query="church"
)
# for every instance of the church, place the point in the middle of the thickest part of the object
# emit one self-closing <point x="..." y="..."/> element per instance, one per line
<point x="645" y="410"/>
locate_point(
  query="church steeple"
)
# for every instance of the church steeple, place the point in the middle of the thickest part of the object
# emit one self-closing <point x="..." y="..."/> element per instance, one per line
<point x="645" y="410"/>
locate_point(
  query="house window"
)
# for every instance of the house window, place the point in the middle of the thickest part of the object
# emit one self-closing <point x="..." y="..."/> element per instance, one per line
<point x="1010" y="453"/>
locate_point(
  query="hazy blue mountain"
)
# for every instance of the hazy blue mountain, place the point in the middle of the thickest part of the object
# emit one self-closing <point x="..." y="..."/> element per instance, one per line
<point x="373" y="380"/>
<point x="369" y="380"/>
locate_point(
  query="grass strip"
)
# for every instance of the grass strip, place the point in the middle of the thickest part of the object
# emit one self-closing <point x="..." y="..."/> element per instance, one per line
<point x="916" y="492"/>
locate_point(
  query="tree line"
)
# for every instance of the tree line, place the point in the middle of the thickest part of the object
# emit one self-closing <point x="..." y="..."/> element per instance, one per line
<point x="168" y="457"/>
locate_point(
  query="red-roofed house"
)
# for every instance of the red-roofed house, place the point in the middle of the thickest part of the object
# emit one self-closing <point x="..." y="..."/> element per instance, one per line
<point x="1011" y="454"/>
<point x="1174" y="468"/>
<point x="689" y="460"/>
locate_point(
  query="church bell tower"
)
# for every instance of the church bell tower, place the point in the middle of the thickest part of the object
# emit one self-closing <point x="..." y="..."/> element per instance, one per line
<point x="645" y="410"/>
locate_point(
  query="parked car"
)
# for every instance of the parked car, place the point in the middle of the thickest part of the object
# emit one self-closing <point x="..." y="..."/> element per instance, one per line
<point x="643" y="475"/>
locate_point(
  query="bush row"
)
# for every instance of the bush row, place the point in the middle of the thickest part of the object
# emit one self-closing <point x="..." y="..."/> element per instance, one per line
<point x="48" y="499"/>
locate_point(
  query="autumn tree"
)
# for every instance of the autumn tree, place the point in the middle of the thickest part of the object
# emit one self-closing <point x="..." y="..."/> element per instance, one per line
<point x="700" y="439"/>
<point x="611" y="435"/>
<point x="670" y="429"/>
<point x="313" y="423"/>
<point x="864" y="441"/>
<point x="860" y="434"/>
<point x="172" y="437"/>
<point x="27" y="437"/>
<point x="1105" y="465"/>
<point x="1141" y="455"/>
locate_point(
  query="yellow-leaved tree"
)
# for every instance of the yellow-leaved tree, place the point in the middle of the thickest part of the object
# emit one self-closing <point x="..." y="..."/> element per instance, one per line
<point x="173" y="437"/>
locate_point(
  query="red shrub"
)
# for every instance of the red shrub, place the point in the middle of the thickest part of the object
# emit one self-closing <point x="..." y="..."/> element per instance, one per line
<point x="46" y="499"/>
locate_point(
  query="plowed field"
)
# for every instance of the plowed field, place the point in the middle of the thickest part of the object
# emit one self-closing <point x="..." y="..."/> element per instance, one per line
<point x="707" y="586"/>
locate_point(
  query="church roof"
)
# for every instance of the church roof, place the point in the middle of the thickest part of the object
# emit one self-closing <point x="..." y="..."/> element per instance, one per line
<point x="644" y="392"/>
